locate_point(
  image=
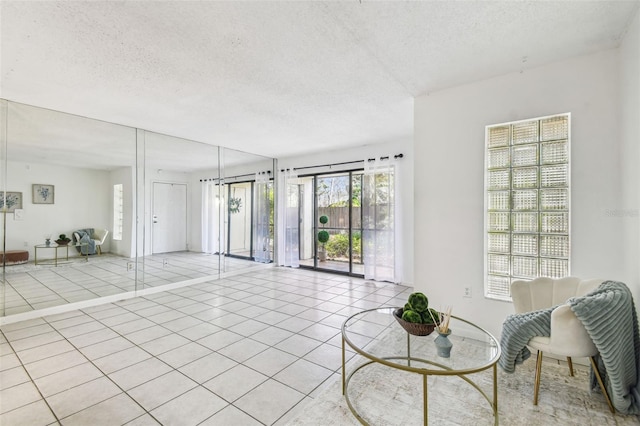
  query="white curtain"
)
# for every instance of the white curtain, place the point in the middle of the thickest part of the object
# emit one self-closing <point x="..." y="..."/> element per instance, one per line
<point x="261" y="237"/>
<point x="212" y="206"/>
<point x="288" y="229"/>
<point x="381" y="225"/>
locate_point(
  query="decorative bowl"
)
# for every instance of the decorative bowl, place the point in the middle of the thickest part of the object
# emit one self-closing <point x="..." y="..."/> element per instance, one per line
<point x="412" y="327"/>
<point x="62" y="242"/>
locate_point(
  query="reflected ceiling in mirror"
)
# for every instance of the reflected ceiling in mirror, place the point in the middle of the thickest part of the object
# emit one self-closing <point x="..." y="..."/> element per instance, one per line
<point x="45" y="136"/>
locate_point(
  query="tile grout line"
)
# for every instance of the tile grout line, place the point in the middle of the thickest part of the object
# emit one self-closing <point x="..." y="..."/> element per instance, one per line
<point x="32" y="381"/>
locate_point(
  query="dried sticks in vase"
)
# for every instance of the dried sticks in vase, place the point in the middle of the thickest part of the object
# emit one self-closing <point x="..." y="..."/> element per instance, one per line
<point x="442" y="323"/>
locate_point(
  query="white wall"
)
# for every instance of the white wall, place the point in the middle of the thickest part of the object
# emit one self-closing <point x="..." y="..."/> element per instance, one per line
<point x="629" y="206"/>
<point x="81" y="201"/>
<point x="370" y="151"/>
<point x="449" y="190"/>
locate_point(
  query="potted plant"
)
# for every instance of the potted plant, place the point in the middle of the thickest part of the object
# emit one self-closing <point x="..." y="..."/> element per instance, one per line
<point x="63" y="240"/>
<point x="323" y="238"/>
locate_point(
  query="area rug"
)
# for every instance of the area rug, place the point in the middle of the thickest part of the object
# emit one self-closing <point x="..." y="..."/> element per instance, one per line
<point x="385" y="397"/>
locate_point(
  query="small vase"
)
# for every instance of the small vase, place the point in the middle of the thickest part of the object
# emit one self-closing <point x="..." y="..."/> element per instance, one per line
<point x="443" y="344"/>
<point x="47" y="242"/>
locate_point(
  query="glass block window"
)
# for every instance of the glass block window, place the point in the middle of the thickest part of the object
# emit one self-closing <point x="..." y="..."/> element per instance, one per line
<point x="118" y="211"/>
<point x="527" y="202"/>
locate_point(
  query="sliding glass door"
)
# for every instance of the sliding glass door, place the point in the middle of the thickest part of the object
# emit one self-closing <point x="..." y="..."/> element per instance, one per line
<point x="249" y="220"/>
<point x="240" y="201"/>
<point x="331" y="222"/>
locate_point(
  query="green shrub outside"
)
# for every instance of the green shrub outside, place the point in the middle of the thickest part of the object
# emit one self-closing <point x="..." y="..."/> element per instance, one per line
<point x="338" y="245"/>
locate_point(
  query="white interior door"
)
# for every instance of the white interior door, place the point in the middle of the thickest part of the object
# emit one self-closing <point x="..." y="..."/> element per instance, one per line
<point x="169" y="217"/>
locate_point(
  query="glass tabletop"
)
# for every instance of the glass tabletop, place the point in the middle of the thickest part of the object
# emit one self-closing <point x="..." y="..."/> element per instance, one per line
<point x="54" y="245"/>
<point x="377" y="335"/>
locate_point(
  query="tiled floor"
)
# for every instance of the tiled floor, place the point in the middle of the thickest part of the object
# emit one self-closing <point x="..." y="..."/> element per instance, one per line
<point x="30" y="287"/>
<point x="243" y="350"/>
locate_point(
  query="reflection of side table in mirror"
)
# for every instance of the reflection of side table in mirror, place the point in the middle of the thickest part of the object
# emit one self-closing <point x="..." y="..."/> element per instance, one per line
<point x="56" y="258"/>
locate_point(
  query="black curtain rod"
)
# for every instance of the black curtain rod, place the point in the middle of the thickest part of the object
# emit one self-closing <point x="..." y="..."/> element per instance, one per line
<point x="345" y="162"/>
<point x="234" y="177"/>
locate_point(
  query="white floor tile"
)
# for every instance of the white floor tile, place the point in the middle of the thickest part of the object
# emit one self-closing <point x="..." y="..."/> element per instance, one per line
<point x="243" y="349"/>
<point x="164" y="344"/>
<point x="18" y="396"/>
<point x="271" y="336"/>
<point x="67" y="379"/>
<point x="93" y="337"/>
<point x="139" y="373"/>
<point x="231" y="416"/>
<point x="235" y="382"/>
<point x="190" y="408"/>
<point x="105" y="348"/>
<point x="207" y="367"/>
<point x="162" y="389"/>
<point x="303" y="376"/>
<point x="261" y="404"/>
<point x="184" y="354"/>
<point x="114" y="411"/>
<point x="220" y="340"/>
<point x="9" y="361"/>
<point x="36" y="413"/>
<point x="119" y="360"/>
<point x="12" y="377"/>
<point x="80" y="397"/>
<point x="147" y="334"/>
<point x="270" y="361"/>
<point x="55" y="363"/>
<point x="298" y="345"/>
<point x="45" y="351"/>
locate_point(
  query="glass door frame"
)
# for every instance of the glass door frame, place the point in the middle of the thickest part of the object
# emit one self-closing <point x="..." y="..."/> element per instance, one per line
<point x="228" y="214"/>
<point x="316" y="228"/>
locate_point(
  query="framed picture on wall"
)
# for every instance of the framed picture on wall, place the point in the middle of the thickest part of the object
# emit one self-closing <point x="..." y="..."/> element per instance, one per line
<point x="13" y="201"/>
<point x="43" y="194"/>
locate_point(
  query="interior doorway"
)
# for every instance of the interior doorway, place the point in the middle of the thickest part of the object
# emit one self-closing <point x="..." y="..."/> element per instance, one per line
<point x="240" y="219"/>
<point x="169" y="217"/>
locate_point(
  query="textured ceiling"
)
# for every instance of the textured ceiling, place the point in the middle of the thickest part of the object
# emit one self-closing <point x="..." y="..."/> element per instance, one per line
<point x="281" y="78"/>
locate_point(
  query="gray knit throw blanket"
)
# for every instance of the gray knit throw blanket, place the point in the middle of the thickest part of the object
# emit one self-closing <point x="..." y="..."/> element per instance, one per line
<point x="609" y="316"/>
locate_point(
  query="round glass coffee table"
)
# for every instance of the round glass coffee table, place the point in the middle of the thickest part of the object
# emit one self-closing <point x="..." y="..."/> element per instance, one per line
<point x="377" y="336"/>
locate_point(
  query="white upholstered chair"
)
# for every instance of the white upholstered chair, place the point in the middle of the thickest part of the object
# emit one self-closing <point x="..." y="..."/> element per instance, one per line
<point x="568" y="336"/>
<point x="99" y="236"/>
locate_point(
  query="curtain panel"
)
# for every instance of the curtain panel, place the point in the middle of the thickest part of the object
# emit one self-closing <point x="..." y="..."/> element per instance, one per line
<point x="381" y="224"/>
<point x="212" y="218"/>
<point x="261" y="234"/>
<point x="288" y="223"/>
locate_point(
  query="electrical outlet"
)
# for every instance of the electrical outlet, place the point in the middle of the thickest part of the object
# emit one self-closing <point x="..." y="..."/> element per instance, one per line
<point x="165" y="262"/>
<point x="129" y="266"/>
<point x="467" y="292"/>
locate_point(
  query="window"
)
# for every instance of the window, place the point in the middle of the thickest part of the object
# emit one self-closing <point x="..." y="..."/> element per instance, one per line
<point x="527" y="202"/>
<point x="118" y="211"/>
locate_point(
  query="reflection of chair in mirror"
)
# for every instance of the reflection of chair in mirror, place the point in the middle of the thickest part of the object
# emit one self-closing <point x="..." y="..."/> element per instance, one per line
<point x="568" y="335"/>
<point x="91" y="239"/>
<point x="99" y="237"/>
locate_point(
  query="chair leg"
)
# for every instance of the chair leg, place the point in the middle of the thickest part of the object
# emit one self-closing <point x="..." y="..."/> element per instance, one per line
<point x="602" y="387"/>
<point x="570" y="366"/>
<point x="99" y="250"/>
<point x="536" y="386"/>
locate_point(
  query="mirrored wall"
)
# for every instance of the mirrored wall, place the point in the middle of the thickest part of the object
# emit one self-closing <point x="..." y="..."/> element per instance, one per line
<point x="93" y="209"/>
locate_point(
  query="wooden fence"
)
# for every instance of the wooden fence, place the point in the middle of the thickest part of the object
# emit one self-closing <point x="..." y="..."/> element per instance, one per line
<point x="339" y="217"/>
